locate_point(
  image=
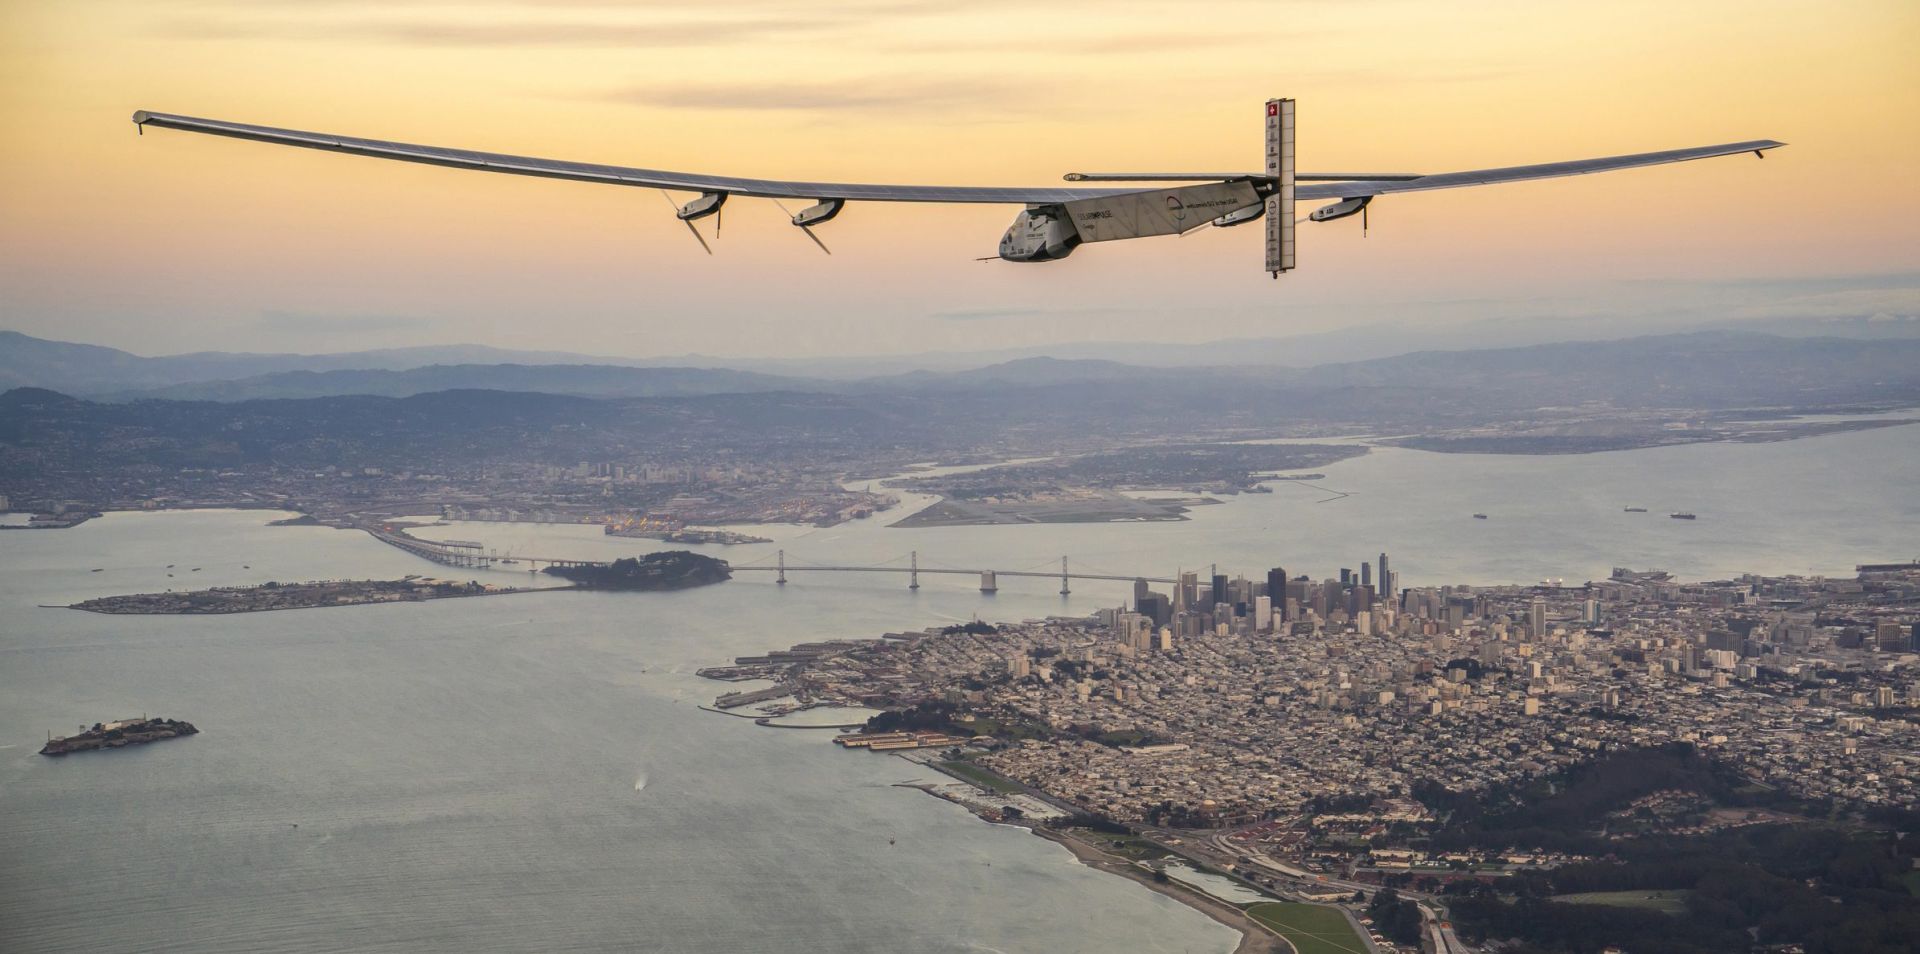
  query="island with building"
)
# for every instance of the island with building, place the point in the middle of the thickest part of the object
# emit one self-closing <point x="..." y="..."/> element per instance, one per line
<point x="648" y="527"/>
<point x="119" y="734"/>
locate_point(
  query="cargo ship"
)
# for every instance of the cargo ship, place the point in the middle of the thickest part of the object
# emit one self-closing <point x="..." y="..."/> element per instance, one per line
<point x="1636" y="510"/>
<point x="120" y="734"/>
<point x="1479" y="516"/>
<point x="1682" y="516"/>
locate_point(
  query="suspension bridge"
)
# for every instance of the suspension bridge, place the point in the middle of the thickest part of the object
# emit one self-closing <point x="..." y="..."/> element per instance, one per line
<point x="989" y="579"/>
<point x="469" y="554"/>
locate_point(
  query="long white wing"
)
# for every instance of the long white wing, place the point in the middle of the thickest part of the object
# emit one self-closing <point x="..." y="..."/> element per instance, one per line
<point x="776" y="188"/>
<point x="620" y="175"/>
<point x="1550" y="170"/>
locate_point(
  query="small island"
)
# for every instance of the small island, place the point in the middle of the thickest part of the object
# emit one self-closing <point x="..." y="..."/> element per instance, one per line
<point x="285" y="596"/>
<point x="666" y="570"/>
<point x="725" y="538"/>
<point x="120" y="734"/>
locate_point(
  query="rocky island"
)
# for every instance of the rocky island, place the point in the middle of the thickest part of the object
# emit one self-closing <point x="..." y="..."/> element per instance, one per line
<point x="116" y="735"/>
<point x="666" y="570"/>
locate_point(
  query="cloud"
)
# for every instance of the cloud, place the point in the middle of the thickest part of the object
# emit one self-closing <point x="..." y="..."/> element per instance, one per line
<point x="1142" y="42"/>
<point x="1877" y="304"/>
<point x="988" y="314"/>
<point x="997" y="314"/>
<point x="311" y="323"/>
<point x="1800" y="283"/>
<point x="874" y="95"/>
<point x="518" y="33"/>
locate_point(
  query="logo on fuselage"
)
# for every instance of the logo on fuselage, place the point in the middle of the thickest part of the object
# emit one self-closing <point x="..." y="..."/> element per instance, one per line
<point x="1176" y="208"/>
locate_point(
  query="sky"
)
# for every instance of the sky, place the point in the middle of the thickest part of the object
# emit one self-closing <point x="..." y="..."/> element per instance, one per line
<point x="173" y="242"/>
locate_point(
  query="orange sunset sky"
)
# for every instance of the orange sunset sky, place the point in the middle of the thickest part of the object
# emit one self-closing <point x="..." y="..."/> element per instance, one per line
<point x="173" y="242"/>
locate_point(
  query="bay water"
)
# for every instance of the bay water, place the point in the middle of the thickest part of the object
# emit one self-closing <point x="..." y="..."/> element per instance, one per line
<point x="531" y="772"/>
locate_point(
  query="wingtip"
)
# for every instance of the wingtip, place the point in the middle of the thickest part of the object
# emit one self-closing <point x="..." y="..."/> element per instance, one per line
<point x="140" y="117"/>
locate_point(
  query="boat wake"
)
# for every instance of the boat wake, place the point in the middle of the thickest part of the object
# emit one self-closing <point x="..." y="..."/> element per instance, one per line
<point x="641" y="782"/>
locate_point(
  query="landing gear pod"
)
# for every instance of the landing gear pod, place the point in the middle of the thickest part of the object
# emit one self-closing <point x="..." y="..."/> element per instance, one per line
<point x="1040" y="234"/>
<point x="1340" y="209"/>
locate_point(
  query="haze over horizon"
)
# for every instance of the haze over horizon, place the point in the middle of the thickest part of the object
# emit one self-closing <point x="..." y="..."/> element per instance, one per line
<point x="171" y="243"/>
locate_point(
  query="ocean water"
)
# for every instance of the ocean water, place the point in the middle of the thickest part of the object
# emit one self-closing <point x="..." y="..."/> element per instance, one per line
<point x="530" y="772"/>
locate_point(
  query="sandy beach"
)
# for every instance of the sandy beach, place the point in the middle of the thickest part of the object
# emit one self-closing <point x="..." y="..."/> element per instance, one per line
<point x="1254" y="937"/>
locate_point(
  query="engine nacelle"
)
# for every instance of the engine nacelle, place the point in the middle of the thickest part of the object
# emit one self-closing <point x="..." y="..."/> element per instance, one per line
<point x="1241" y="217"/>
<point x="708" y="204"/>
<point x="1040" y="234"/>
<point x="1340" y="209"/>
<point x="816" y="214"/>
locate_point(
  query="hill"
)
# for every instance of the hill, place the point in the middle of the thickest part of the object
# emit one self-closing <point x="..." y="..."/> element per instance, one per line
<point x="586" y="380"/>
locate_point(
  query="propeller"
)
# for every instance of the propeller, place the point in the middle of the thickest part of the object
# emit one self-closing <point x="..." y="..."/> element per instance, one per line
<point x="689" y="223"/>
<point x="809" y="231"/>
<point x="701" y="238"/>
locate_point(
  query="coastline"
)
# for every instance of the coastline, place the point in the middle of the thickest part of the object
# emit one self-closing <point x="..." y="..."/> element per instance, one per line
<point x="1255" y="938"/>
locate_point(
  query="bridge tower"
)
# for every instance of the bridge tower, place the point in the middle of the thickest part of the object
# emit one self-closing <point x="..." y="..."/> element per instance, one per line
<point x="989" y="583"/>
<point x="782" y="578"/>
<point x="913" y="577"/>
<point x="1064" y="588"/>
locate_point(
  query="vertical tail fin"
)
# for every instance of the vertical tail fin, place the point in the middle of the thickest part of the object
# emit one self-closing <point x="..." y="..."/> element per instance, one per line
<point x="1280" y="224"/>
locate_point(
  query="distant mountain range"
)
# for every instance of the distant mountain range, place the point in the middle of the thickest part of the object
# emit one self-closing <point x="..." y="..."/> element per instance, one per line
<point x="107" y="373"/>
<point x="584" y="380"/>
<point x="1017" y="408"/>
<point x="93" y="370"/>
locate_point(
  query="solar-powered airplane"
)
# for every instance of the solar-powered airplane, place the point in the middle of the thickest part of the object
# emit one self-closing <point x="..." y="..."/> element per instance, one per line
<point x="1056" y="220"/>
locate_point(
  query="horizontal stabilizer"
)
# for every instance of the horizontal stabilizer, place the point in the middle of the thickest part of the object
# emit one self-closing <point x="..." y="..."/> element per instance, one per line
<point x="1234" y="176"/>
<point x="1159" y="176"/>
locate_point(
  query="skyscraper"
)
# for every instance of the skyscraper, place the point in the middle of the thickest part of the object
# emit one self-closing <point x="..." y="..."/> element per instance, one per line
<point x="1538" y="621"/>
<point x="1385" y="579"/>
<point x="1366" y="574"/>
